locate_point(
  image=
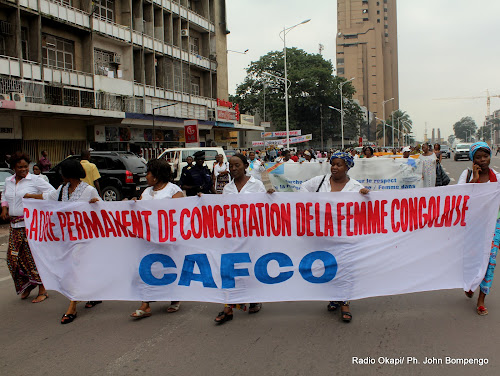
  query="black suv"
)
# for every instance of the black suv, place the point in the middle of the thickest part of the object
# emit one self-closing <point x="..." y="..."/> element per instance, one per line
<point x="123" y="174"/>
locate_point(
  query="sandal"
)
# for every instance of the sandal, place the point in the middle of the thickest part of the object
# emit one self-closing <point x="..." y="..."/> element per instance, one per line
<point x="482" y="311"/>
<point x="346" y="315"/>
<point x="67" y="318"/>
<point x="92" y="303"/>
<point x="469" y="294"/>
<point x="255" y="307"/>
<point x="27" y="292"/>
<point x="172" y="308"/>
<point x="222" y="317"/>
<point x="332" y="306"/>
<point x="44" y="295"/>
<point x="140" y="314"/>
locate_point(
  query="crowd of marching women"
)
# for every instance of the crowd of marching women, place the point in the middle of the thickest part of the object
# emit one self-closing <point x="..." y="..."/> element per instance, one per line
<point x="242" y="174"/>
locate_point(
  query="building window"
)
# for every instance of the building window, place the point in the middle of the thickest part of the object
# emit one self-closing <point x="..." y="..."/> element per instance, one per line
<point x="194" y="45"/>
<point x="24" y="43"/>
<point x="105" y="9"/>
<point x="378" y="12"/>
<point x="378" y="20"/>
<point x="385" y="10"/>
<point x="378" y="3"/>
<point x="62" y="2"/>
<point x="386" y="26"/>
<point x="195" y="86"/>
<point x="365" y="11"/>
<point x="104" y="63"/>
<point x="57" y="52"/>
<point x="340" y="61"/>
<point x="365" y="19"/>
<point x="340" y="71"/>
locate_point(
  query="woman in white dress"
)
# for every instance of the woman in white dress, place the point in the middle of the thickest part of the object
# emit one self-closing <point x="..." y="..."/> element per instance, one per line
<point x="336" y="181"/>
<point x="429" y="159"/>
<point x="240" y="184"/>
<point x="159" y="174"/>
<point x="72" y="190"/>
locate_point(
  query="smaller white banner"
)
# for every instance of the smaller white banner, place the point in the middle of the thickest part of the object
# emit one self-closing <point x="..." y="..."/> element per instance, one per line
<point x="280" y="134"/>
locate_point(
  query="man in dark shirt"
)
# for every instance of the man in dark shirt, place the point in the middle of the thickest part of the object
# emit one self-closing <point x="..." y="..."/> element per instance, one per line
<point x="189" y="161"/>
<point x="198" y="178"/>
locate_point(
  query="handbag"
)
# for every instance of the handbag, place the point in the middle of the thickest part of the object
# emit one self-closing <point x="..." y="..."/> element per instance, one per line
<point x="442" y="177"/>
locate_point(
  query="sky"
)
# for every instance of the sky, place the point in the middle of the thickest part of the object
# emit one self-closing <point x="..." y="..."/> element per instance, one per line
<point x="446" y="48"/>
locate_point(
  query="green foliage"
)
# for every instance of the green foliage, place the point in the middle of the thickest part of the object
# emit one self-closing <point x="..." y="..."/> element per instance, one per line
<point x="451" y="139"/>
<point x="404" y="126"/>
<point x="312" y="89"/>
<point x="464" y="127"/>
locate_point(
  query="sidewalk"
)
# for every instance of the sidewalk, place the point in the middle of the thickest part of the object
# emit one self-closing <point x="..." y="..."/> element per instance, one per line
<point x="4" y="233"/>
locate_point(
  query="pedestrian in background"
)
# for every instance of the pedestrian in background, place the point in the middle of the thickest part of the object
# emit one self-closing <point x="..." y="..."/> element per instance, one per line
<point x="20" y="261"/>
<point x="368" y="152"/>
<point x="240" y="184"/>
<point x="480" y="155"/>
<point x="44" y="162"/>
<point x="336" y="181"/>
<point x="158" y="178"/>
<point x="255" y="167"/>
<point x="198" y="179"/>
<point x="428" y="158"/>
<point x="73" y="189"/>
<point x="38" y="172"/>
<point x="439" y="154"/>
<point x="92" y="174"/>
<point x="220" y="174"/>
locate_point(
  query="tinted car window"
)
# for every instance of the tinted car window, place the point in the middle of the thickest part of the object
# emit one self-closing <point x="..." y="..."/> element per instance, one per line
<point x="132" y="162"/>
<point x="115" y="164"/>
<point x="99" y="161"/>
<point x="210" y="155"/>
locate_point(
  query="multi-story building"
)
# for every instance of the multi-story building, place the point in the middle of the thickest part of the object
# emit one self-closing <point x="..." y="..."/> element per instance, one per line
<point x="80" y="73"/>
<point x="367" y="50"/>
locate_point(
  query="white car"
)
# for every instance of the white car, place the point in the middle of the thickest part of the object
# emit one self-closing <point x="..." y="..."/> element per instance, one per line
<point x="177" y="158"/>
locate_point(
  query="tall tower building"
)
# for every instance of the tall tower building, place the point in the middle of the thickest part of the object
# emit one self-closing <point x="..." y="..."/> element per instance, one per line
<point x="367" y="50"/>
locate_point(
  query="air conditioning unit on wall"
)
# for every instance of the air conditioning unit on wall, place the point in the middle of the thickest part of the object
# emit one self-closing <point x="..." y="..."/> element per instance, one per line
<point x="184" y="32"/>
<point x="4" y="97"/>
<point x="117" y="59"/>
<point x="18" y="97"/>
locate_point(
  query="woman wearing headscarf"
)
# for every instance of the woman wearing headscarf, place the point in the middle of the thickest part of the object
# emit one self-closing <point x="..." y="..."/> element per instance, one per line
<point x="20" y="261"/>
<point x="72" y="190"/>
<point x="429" y="163"/>
<point x="336" y="181"/>
<point x="241" y="184"/>
<point x="158" y="177"/>
<point x="480" y="155"/>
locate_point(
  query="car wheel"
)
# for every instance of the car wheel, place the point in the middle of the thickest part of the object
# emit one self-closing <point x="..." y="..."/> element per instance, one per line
<point x="111" y="194"/>
<point x="455" y="158"/>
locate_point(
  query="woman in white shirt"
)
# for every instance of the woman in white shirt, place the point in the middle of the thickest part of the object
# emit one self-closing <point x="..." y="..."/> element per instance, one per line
<point x="241" y="184"/>
<point x="220" y="173"/>
<point x="336" y="181"/>
<point x="38" y="172"/>
<point x="159" y="174"/>
<point x="20" y="261"/>
<point x="255" y="167"/>
<point x="72" y="190"/>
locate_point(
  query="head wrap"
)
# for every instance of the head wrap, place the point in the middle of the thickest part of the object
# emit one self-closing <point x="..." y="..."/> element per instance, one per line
<point x="348" y="159"/>
<point x="476" y="146"/>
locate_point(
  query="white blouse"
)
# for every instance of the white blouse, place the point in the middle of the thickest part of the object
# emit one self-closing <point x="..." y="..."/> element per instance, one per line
<point x="463" y="178"/>
<point x="167" y="192"/>
<point x="251" y="186"/>
<point x="312" y="185"/>
<point x="218" y="169"/>
<point x="255" y="169"/>
<point x="13" y="194"/>
<point x="83" y="193"/>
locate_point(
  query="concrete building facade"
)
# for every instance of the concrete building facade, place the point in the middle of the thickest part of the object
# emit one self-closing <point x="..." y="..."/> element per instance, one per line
<point x="367" y="50"/>
<point x="80" y="73"/>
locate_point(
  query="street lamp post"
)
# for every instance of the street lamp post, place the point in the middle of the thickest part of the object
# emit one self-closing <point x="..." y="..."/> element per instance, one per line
<point x="285" y="31"/>
<point x="342" y="109"/>
<point x="392" y="121"/>
<point x="407" y="133"/>
<point x="383" y="114"/>
<point x="157" y="108"/>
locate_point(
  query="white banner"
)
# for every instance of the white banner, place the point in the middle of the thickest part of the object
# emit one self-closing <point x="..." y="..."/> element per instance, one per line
<point x="280" y="134"/>
<point x="262" y="247"/>
<point x="375" y="174"/>
<point x="293" y="140"/>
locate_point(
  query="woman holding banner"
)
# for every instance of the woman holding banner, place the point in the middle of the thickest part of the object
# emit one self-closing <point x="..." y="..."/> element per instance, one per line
<point x="241" y="184"/>
<point x="20" y="261"/>
<point x="72" y="190"/>
<point x="480" y="154"/>
<point x="336" y="181"/>
<point x="159" y="174"/>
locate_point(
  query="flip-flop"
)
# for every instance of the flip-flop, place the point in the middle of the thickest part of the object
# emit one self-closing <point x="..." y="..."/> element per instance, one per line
<point x="92" y="303"/>
<point x="255" y="307"/>
<point x="172" y="308"/>
<point x="45" y="297"/>
<point x="481" y="311"/>
<point x="140" y="314"/>
<point x="69" y="318"/>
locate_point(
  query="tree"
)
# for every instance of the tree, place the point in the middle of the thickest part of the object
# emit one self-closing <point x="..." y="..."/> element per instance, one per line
<point x="404" y="126"/>
<point x="451" y="139"/>
<point x="464" y="128"/>
<point x="312" y="88"/>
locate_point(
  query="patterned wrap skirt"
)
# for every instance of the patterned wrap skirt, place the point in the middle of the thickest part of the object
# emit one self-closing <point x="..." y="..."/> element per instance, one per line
<point x="20" y="261"/>
<point x="220" y="183"/>
<point x="488" y="278"/>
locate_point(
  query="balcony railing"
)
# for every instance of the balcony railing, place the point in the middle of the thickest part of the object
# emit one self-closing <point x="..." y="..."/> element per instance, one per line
<point x="68" y="77"/>
<point x="65" y="13"/>
<point x="105" y="26"/>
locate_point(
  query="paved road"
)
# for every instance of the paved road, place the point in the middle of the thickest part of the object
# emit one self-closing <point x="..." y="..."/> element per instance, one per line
<point x="299" y="338"/>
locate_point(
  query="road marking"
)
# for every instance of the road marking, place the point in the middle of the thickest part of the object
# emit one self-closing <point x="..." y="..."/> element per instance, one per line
<point x="4" y="279"/>
<point x="495" y="166"/>
<point x="452" y="179"/>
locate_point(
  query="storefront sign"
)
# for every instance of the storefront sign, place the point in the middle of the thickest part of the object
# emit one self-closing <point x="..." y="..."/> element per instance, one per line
<point x="191" y="133"/>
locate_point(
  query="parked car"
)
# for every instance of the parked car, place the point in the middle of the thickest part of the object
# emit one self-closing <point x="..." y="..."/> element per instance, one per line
<point x="445" y="151"/>
<point x="462" y="151"/>
<point x="4" y="174"/>
<point x="123" y="174"/>
<point x="177" y="158"/>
